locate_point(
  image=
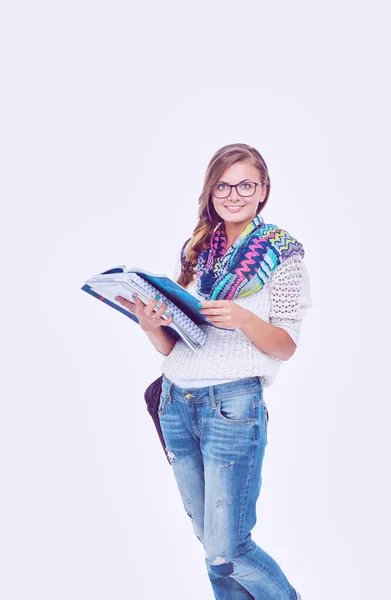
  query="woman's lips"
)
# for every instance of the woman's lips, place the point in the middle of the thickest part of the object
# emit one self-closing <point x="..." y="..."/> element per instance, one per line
<point x="234" y="208"/>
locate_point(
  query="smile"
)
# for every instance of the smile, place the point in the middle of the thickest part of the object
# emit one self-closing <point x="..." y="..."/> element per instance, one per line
<point x="234" y="208"/>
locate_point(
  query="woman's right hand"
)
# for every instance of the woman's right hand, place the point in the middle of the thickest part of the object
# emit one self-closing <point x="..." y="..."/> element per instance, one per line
<point x="149" y="319"/>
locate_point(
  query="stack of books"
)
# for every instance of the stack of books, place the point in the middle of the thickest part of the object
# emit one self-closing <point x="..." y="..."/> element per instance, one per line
<point x="120" y="281"/>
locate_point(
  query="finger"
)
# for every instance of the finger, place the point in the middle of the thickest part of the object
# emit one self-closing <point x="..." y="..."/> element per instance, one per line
<point x="160" y="311"/>
<point x="158" y="314"/>
<point x="149" y="308"/>
<point x="167" y="322"/>
<point x="214" y="319"/>
<point x="153" y="304"/>
<point x="140" y="306"/>
<point x="212" y="311"/>
<point x="126" y="303"/>
<point x="212" y="303"/>
<point x="221" y="324"/>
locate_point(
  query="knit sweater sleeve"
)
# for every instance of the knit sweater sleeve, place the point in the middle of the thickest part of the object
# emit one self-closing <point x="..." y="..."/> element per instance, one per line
<point x="290" y="296"/>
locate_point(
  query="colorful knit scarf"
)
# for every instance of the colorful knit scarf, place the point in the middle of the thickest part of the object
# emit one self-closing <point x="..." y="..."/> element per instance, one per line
<point x="244" y="268"/>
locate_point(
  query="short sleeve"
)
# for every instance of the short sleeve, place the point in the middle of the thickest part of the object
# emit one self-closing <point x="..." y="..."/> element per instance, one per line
<point x="290" y="296"/>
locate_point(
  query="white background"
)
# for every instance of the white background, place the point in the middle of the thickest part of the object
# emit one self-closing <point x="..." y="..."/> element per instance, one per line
<point x="110" y="112"/>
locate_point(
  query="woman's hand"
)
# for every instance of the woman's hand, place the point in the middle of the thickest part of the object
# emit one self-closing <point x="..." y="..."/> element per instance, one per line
<point x="148" y="318"/>
<point x="224" y="313"/>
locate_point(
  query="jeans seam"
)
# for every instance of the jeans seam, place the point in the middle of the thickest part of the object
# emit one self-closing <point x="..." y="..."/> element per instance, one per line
<point x="239" y="533"/>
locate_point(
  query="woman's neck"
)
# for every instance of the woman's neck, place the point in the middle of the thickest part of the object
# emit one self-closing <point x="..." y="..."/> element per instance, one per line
<point x="233" y="231"/>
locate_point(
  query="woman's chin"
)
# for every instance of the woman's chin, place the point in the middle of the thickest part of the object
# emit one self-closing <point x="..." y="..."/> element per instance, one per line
<point x="237" y="217"/>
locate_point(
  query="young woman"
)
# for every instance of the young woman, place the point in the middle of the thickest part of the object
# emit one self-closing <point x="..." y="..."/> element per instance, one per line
<point x="253" y="285"/>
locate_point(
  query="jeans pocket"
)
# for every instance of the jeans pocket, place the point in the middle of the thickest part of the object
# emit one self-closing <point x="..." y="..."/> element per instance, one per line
<point x="237" y="409"/>
<point x="162" y="403"/>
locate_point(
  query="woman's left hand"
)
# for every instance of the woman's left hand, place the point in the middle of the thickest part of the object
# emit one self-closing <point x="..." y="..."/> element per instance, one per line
<point x="224" y="313"/>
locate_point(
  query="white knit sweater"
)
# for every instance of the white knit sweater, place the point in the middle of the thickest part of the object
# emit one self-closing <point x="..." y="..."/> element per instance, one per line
<point x="229" y="355"/>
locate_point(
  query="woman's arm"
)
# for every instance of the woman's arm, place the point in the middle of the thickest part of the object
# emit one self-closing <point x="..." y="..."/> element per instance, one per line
<point x="162" y="339"/>
<point x="290" y="297"/>
<point x="268" y="338"/>
<point x="289" y="300"/>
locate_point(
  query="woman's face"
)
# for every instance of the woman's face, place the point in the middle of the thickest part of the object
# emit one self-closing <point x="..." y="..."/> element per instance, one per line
<point x="244" y="208"/>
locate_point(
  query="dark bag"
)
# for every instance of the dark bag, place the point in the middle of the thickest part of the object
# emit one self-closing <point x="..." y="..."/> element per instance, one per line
<point x="154" y="390"/>
<point x="152" y="398"/>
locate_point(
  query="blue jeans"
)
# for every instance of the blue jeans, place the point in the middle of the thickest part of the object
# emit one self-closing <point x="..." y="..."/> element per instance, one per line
<point x="215" y="440"/>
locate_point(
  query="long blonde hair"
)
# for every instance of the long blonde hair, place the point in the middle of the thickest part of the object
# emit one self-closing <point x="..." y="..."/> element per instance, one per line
<point x="208" y="219"/>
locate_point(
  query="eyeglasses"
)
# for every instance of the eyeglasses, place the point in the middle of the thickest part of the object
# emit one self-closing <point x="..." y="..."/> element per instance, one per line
<point x="244" y="188"/>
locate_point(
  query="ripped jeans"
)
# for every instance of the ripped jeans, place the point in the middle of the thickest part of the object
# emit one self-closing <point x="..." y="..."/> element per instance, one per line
<point x="215" y="440"/>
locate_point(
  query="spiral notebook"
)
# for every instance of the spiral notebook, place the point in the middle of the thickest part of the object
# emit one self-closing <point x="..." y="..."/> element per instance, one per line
<point x="121" y="281"/>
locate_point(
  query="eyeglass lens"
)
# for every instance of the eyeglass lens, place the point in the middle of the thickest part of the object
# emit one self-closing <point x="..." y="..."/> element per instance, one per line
<point x="223" y="190"/>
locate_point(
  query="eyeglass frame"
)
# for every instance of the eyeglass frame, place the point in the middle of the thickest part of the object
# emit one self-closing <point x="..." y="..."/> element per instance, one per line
<point x="235" y="185"/>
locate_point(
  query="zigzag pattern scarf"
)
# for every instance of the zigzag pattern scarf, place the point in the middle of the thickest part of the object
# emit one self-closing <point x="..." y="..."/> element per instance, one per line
<point x="245" y="267"/>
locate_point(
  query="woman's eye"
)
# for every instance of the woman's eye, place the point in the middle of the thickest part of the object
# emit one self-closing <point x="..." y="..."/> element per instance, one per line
<point x="243" y="186"/>
<point x="221" y="186"/>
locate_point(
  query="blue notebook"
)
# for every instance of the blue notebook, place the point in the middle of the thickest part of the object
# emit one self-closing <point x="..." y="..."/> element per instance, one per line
<point x="120" y="281"/>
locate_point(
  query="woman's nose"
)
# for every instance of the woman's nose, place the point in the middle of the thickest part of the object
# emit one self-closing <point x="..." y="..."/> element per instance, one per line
<point x="234" y="194"/>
